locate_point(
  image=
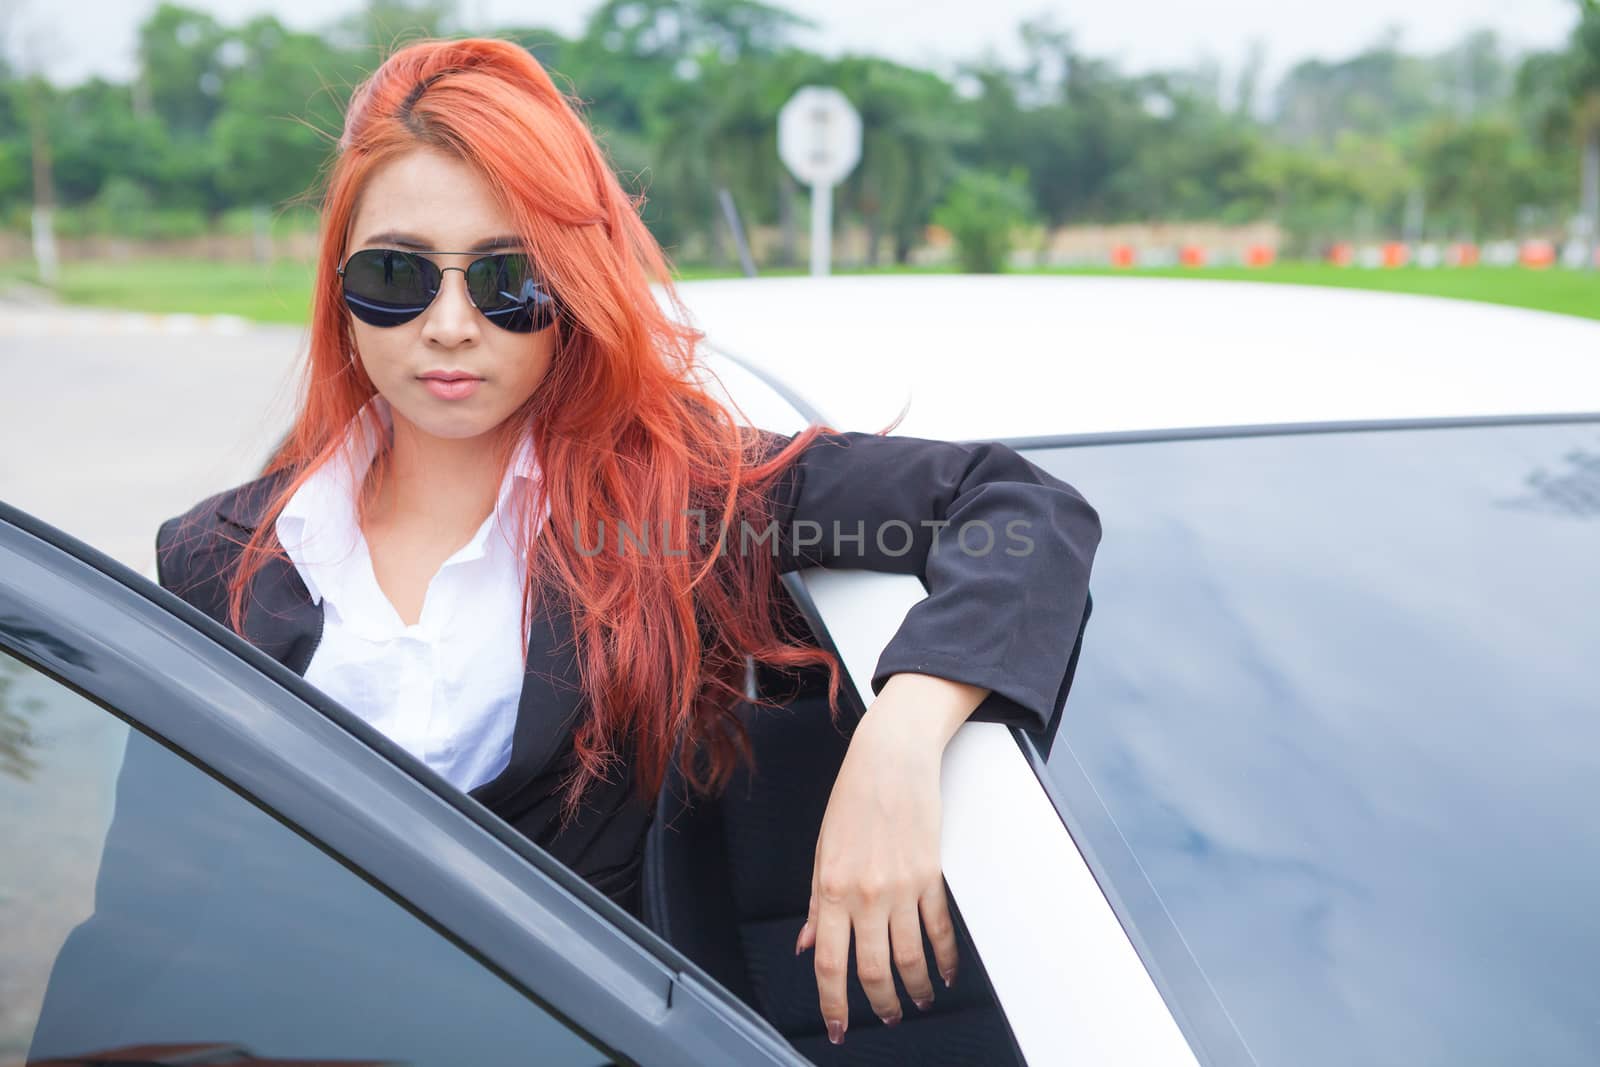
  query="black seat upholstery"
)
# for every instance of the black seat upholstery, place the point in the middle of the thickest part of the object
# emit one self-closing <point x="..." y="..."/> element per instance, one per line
<point x="727" y="881"/>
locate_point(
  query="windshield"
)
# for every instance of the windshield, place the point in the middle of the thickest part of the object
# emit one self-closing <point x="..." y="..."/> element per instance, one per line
<point x="1333" y="747"/>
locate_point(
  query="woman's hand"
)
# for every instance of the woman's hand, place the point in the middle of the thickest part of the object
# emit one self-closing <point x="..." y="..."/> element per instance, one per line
<point x="877" y="865"/>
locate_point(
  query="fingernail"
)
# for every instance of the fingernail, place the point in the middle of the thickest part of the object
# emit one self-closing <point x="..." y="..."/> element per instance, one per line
<point x="835" y="1031"/>
<point x="924" y="1004"/>
<point x="889" y="1020"/>
<point x="949" y="977"/>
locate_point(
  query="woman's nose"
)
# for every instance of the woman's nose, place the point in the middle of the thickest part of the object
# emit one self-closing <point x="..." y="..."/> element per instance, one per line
<point x="452" y="311"/>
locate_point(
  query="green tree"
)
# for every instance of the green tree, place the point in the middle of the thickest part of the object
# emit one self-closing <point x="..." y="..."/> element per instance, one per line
<point x="1191" y="159"/>
<point x="282" y="111"/>
<point x="181" y="69"/>
<point x="180" y="81"/>
<point x="910" y="128"/>
<point x="94" y="135"/>
<point x="982" y="211"/>
<point x="699" y="82"/>
<point x="381" y="26"/>
<point x="673" y="31"/>
<point x="1476" y="174"/>
<point x="1581" y="78"/>
<point x="1071" y="122"/>
<point x="1372" y="93"/>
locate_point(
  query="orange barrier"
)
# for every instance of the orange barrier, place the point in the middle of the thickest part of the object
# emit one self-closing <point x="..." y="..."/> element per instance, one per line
<point x="1534" y="253"/>
<point x="1537" y="254"/>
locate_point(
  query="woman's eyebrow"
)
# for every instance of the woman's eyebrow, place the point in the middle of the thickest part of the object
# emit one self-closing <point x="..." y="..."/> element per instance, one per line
<point x="407" y="240"/>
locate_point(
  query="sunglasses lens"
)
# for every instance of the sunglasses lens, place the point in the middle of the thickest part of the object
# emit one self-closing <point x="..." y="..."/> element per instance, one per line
<point x="509" y="293"/>
<point x="385" y="287"/>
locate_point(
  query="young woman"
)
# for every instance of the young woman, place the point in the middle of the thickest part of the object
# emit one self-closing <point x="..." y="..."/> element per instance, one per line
<point x="495" y="409"/>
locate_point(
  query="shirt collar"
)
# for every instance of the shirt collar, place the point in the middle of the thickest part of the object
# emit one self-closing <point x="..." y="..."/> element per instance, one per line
<point x="318" y="527"/>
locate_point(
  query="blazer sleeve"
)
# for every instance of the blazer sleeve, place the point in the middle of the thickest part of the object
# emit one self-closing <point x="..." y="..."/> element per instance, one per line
<point x="1003" y="548"/>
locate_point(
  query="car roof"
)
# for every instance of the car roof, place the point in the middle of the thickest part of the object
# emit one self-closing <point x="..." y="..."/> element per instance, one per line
<point x="1007" y="356"/>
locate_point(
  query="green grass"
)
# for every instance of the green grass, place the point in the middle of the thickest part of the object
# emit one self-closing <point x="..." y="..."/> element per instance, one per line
<point x="1568" y="292"/>
<point x="282" y="292"/>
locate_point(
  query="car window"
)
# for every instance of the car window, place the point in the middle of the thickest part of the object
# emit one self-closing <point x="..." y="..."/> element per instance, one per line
<point x="1334" y="741"/>
<point x="145" y="905"/>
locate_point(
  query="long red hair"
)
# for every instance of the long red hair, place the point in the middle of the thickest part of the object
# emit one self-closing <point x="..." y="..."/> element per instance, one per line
<point x="624" y="428"/>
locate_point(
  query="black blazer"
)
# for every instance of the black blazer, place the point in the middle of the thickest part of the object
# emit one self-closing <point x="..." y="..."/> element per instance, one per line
<point x="1009" y="620"/>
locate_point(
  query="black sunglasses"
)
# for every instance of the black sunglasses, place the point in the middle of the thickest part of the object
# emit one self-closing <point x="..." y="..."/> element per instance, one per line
<point x="387" y="287"/>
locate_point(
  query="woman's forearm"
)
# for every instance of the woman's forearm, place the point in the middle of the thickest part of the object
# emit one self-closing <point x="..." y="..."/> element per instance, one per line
<point x="924" y="709"/>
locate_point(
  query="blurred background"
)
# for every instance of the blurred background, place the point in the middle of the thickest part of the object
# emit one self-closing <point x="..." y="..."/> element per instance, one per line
<point x="160" y="169"/>
<point x="1445" y="146"/>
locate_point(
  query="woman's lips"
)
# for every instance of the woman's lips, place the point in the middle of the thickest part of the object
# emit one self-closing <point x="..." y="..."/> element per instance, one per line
<point x="456" y="389"/>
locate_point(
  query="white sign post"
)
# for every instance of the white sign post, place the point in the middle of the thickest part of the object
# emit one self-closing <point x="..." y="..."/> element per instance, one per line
<point x="819" y="140"/>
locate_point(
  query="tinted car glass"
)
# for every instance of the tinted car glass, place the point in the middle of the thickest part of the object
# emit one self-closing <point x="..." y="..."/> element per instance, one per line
<point x="144" y="904"/>
<point x="1333" y="747"/>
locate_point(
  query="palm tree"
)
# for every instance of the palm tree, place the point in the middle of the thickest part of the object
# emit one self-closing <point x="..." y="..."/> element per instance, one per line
<point x="710" y="74"/>
<point x="1582" y="84"/>
<point x="908" y="133"/>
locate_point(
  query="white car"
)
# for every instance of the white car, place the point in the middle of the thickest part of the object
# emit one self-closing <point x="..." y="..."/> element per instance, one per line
<point x="1325" y="787"/>
<point x="1322" y="793"/>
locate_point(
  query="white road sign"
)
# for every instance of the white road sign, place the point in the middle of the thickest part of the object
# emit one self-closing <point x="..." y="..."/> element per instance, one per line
<point x="819" y="140"/>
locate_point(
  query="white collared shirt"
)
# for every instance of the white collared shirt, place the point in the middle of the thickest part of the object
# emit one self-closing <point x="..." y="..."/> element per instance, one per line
<point x="446" y="688"/>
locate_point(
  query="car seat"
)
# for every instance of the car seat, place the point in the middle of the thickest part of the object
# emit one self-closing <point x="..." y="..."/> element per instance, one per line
<point x="727" y="881"/>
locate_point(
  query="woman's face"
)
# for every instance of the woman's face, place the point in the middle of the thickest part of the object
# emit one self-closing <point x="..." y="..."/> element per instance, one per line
<point x="426" y="201"/>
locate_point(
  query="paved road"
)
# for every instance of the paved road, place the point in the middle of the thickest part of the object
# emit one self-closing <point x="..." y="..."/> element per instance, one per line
<point x="110" y="423"/>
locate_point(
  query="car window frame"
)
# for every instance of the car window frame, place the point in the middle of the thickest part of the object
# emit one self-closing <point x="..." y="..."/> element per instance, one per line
<point x="262" y="731"/>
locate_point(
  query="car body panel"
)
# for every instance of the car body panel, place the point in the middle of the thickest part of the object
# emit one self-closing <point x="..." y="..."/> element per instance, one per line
<point x="1016" y="356"/>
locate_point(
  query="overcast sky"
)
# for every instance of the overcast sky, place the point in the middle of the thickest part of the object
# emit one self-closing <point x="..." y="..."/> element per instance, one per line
<point x="96" y="36"/>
